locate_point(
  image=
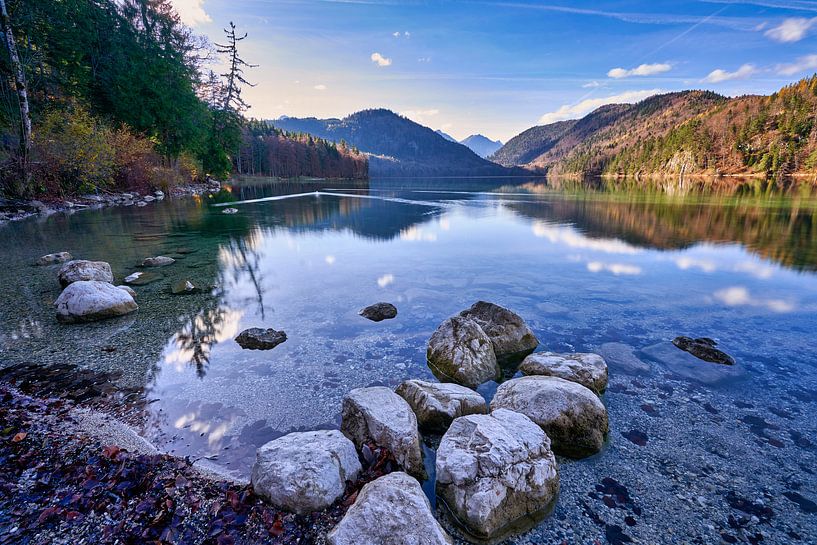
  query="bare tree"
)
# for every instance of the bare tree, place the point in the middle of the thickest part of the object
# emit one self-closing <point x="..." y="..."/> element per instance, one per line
<point x="235" y="76"/>
<point x="20" y="87"/>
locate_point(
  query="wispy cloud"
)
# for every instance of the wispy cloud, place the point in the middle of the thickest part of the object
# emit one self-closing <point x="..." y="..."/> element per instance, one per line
<point x="573" y="111"/>
<point x="380" y="60"/>
<point x="191" y="12"/>
<point x="385" y="280"/>
<point x="591" y="85"/>
<point x="719" y="75"/>
<point x="809" y="62"/>
<point x="737" y="296"/>
<point x="320" y="87"/>
<point x="617" y="269"/>
<point x="640" y="70"/>
<point x="791" y="30"/>
<point x="399" y="34"/>
<point x="567" y="236"/>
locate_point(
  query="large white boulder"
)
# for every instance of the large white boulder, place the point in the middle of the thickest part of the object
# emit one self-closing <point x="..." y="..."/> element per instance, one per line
<point x="80" y="269"/>
<point x="496" y="472"/>
<point x="438" y="404"/>
<point x="305" y="472"/>
<point x="379" y="415"/>
<point x="460" y="351"/>
<point x="574" y="417"/>
<point x="391" y="510"/>
<point x="90" y="300"/>
<point x="589" y="370"/>
<point x="509" y="334"/>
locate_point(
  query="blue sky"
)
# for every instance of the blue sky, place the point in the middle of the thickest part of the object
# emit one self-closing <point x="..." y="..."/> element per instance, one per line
<point x="500" y="67"/>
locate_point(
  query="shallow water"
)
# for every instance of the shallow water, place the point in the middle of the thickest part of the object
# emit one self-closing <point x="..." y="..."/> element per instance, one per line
<point x="692" y="444"/>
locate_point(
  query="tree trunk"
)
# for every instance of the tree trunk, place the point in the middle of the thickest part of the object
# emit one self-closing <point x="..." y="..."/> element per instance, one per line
<point x="22" y="91"/>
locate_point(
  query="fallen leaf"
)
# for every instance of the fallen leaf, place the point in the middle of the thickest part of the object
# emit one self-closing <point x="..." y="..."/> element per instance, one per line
<point x="19" y="437"/>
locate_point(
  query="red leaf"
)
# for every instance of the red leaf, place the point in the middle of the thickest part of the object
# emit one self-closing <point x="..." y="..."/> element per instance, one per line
<point x="350" y="500"/>
<point x="110" y="452"/>
<point x="277" y="527"/>
<point x="19" y="437"/>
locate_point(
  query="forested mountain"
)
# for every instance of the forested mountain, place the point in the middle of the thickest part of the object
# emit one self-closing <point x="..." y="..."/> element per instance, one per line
<point x="690" y="132"/>
<point x="481" y="145"/>
<point x="396" y="145"/>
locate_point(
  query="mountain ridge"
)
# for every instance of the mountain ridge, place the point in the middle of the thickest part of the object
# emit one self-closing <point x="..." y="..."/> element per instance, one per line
<point x="481" y="145"/>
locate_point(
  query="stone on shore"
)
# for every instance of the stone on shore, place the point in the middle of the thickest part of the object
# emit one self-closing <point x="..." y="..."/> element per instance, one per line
<point x="257" y="338"/>
<point x="305" y="472"/>
<point x="573" y="416"/>
<point x="82" y="270"/>
<point x="496" y="473"/>
<point x="184" y="287"/>
<point x="52" y="259"/>
<point x="460" y="351"/>
<point x="391" y="510"/>
<point x="91" y="300"/>
<point x="589" y="370"/>
<point x="379" y="415"/>
<point x="509" y="334"/>
<point x="436" y="405"/>
<point x="158" y="261"/>
<point x="379" y="312"/>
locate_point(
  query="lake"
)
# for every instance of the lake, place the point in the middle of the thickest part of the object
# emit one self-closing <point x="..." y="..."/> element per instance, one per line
<point x="697" y="453"/>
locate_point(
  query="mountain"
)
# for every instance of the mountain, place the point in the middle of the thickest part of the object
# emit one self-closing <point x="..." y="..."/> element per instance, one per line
<point x="684" y="133"/>
<point x="446" y="135"/>
<point x="396" y="145"/>
<point x="481" y="145"/>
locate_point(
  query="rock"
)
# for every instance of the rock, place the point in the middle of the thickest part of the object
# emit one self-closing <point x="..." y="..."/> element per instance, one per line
<point x="79" y="270"/>
<point x="141" y="204"/>
<point x="378" y="414"/>
<point x="690" y="367"/>
<point x="437" y="405"/>
<point x="379" y="312"/>
<point x="257" y="338"/>
<point x="589" y="370"/>
<point x="573" y="416"/>
<point x="148" y="198"/>
<point x="51" y="259"/>
<point x="128" y="289"/>
<point x="158" y="261"/>
<point x="511" y="337"/>
<point x="704" y="349"/>
<point x="496" y="473"/>
<point x="91" y="300"/>
<point x="184" y="287"/>
<point x="142" y="278"/>
<point x="460" y="351"/>
<point x="230" y="211"/>
<point x="159" y="195"/>
<point x="305" y="471"/>
<point x="391" y="510"/>
<point x="621" y="357"/>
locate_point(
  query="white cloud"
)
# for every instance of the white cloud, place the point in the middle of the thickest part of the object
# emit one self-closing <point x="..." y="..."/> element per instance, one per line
<point x="641" y="70"/>
<point x="585" y="106"/>
<point x="385" y="280"/>
<point x="380" y="60"/>
<point x="330" y="260"/>
<point x="615" y="268"/>
<point x="403" y="34"/>
<point x="717" y="76"/>
<point x="591" y="85"/>
<point x="567" y="236"/>
<point x="737" y="296"/>
<point x="191" y="12"/>
<point x="809" y="62"/>
<point x="684" y="263"/>
<point x="791" y="30"/>
<point x="320" y="87"/>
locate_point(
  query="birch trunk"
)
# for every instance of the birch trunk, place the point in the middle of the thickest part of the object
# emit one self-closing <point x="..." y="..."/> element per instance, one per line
<point x="20" y="87"/>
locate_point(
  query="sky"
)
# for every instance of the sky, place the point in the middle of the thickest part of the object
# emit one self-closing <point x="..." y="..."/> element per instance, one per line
<point x="500" y="67"/>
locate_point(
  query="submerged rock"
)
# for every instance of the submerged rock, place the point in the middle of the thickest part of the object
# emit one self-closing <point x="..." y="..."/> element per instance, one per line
<point x="52" y="259"/>
<point x="391" y="510"/>
<point x="436" y="405"/>
<point x="621" y="357"/>
<point x="257" y="338"/>
<point x="686" y="365"/>
<point x="230" y="211"/>
<point x="589" y="370"/>
<point x="703" y="349"/>
<point x="509" y="334"/>
<point x="496" y="473"/>
<point x="378" y="414"/>
<point x="460" y="351"/>
<point x="305" y="472"/>
<point x="379" y="312"/>
<point x="158" y="261"/>
<point x="82" y="270"/>
<point x="91" y="300"/>
<point x="573" y="416"/>
<point x="184" y="287"/>
<point x="142" y="278"/>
